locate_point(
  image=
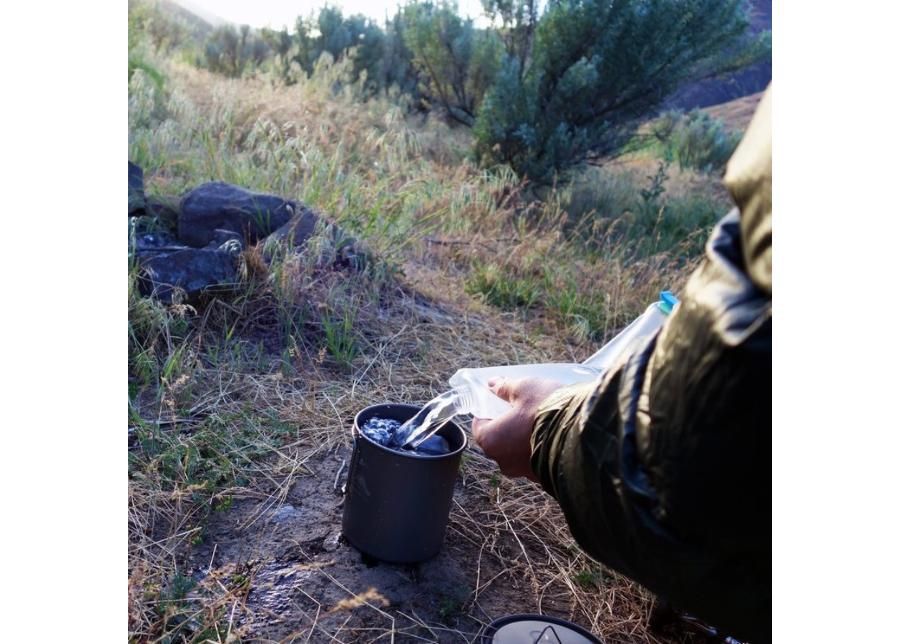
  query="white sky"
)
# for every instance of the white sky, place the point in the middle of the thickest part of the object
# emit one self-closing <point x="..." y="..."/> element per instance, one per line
<point x="280" y="13"/>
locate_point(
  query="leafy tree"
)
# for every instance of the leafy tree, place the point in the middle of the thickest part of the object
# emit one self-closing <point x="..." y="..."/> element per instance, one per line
<point x="258" y="51"/>
<point x="228" y="50"/>
<point x="307" y="50"/>
<point x="596" y="68"/>
<point x="397" y="69"/>
<point x="518" y="20"/>
<point x="280" y="42"/>
<point x="335" y="35"/>
<point x="368" y="49"/>
<point x="457" y="62"/>
<point x="212" y="52"/>
<point x="242" y="47"/>
<point x="329" y="31"/>
<point x="223" y="51"/>
<point x="231" y="49"/>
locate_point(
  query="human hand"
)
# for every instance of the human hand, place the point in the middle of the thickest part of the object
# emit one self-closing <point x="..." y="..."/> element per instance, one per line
<point x="507" y="439"/>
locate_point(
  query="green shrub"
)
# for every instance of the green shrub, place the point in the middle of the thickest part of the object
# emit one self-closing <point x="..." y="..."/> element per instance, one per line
<point x="230" y="51"/>
<point x="621" y="214"/>
<point x="340" y="336"/>
<point x="457" y="61"/>
<point x="597" y="68"/>
<point x="695" y="140"/>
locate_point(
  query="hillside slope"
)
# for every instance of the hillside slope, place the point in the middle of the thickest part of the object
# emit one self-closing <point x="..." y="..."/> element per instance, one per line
<point x="748" y="81"/>
<point x="204" y="19"/>
<point x="736" y="114"/>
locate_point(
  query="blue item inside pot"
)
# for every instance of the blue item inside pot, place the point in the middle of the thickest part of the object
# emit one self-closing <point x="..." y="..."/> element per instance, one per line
<point x="383" y="431"/>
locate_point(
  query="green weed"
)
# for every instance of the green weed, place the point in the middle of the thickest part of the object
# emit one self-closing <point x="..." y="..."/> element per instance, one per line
<point x="223" y="505"/>
<point x="212" y="456"/>
<point x="453" y="604"/>
<point x="501" y="288"/>
<point x="637" y="217"/>
<point x="590" y="578"/>
<point x="340" y="336"/>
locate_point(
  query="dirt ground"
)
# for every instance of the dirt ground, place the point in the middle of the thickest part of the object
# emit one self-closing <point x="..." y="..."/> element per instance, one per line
<point x="305" y="583"/>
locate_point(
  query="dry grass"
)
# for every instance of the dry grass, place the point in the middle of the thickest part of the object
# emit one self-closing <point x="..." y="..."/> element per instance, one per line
<point x="239" y="398"/>
<point x="736" y="114"/>
<point x="525" y="532"/>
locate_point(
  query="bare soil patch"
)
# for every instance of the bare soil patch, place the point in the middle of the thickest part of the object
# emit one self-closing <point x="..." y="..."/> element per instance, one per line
<point x="304" y="583"/>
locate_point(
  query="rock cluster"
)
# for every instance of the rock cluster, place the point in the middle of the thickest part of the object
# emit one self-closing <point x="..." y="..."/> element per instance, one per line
<point x="193" y="244"/>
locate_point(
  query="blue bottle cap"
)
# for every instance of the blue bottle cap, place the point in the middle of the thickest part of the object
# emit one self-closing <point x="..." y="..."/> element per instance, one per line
<point x="667" y="301"/>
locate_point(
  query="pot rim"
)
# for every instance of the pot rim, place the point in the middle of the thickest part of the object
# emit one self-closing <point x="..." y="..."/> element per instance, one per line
<point x="357" y="433"/>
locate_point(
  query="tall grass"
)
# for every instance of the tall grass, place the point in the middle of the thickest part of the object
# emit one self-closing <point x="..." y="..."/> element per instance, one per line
<point x="396" y="181"/>
<point x="376" y="174"/>
<point x="611" y="240"/>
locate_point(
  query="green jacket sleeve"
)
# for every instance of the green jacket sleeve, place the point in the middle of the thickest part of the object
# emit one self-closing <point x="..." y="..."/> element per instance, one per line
<point x="663" y="467"/>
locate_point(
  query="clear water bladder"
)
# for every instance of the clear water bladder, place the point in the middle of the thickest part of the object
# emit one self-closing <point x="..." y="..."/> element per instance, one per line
<point x="470" y="393"/>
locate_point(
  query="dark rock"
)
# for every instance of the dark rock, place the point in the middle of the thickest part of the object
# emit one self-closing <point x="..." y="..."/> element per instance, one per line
<point x="135" y="189"/>
<point x="223" y="206"/>
<point x="222" y="237"/>
<point x="298" y="229"/>
<point x="226" y="241"/>
<point x="293" y="235"/>
<point x="232" y="247"/>
<point x="193" y="270"/>
<point x="337" y="249"/>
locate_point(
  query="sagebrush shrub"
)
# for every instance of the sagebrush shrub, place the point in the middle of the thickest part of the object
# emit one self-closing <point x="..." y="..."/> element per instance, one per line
<point x="596" y="69"/>
<point x="696" y="140"/>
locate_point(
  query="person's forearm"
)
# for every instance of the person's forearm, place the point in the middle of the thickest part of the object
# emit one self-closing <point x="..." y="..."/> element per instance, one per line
<point x="661" y="468"/>
<point x="557" y="419"/>
<point x="575" y="456"/>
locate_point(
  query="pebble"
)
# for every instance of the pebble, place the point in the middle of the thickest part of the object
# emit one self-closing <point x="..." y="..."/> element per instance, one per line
<point x="332" y="541"/>
<point x="284" y="513"/>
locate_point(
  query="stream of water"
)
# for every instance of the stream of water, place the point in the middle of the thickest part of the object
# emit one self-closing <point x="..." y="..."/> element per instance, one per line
<point x="418" y="434"/>
<point x="430" y="418"/>
<point x="384" y="431"/>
